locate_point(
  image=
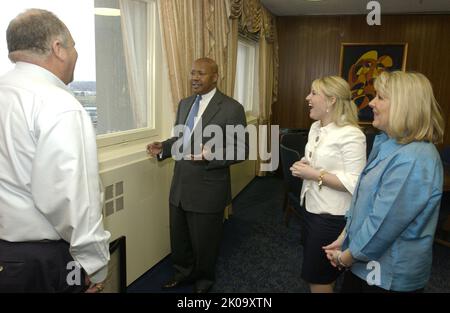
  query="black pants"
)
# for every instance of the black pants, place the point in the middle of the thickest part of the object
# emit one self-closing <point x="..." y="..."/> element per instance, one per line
<point x="354" y="284"/>
<point x="40" y="266"/>
<point x="195" y="242"/>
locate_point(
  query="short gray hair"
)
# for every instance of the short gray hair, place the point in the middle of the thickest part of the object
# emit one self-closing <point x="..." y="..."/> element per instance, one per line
<point x="34" y="30"/>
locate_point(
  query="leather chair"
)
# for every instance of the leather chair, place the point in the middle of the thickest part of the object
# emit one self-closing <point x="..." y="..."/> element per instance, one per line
<point x="292" y="149"/>
<point x="370" y="133"/>
<point x="443" y="228"/>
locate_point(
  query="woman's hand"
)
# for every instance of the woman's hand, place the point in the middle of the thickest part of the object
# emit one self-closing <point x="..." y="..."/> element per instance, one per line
<point x="303" y="170"/>
<point x="333" y="250"/>
<point x="332" y="256"/>
<point x="335" y="245"/>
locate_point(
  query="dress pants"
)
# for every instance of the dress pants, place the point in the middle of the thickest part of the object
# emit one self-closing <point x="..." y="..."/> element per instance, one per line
<point x="38" y="266"/>
<point x="195" y="241"/>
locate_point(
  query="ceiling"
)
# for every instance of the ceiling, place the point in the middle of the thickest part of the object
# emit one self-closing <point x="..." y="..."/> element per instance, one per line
<point x="338" y="7"/>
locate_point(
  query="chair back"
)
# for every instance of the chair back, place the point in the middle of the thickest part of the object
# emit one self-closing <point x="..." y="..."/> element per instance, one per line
<point x="292" y="149"/>
<point x="370" y="133"/>
<point x="295" y="141"/>
<point x="445" y="156"/>
<point x="289" y="157"/>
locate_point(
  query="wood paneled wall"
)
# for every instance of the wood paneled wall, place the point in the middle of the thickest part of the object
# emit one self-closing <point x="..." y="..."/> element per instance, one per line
<point x="309" y="47"/>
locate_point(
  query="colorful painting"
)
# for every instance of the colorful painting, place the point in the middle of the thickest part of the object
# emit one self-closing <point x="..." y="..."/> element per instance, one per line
<point x="361" y="63"/>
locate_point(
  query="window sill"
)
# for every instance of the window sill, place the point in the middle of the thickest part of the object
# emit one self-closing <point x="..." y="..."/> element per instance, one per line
<point x="112" y="157"/>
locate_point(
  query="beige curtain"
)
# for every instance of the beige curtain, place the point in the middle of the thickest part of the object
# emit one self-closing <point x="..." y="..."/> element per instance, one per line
<point x="193" y="29"/>
<point x="255" y="18"/>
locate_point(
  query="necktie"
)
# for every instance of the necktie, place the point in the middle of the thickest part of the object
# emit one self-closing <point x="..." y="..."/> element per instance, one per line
<point x="190" y="121"/>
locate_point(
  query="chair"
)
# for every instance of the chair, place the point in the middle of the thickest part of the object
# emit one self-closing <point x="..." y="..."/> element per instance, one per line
<point x="292" y="149"/>
<point x="116" y="281"/>
<point x="370" y="133"/>
<point x="445" y="156"/>
<point x="443" y="228"/>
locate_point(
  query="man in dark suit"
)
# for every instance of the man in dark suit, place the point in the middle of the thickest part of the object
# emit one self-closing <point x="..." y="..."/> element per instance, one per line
<point x="201" y="186"/>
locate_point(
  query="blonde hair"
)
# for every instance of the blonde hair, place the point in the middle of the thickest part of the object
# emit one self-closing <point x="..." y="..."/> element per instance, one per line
<point x="414" y="114"/>
<point x="344" y="111"/>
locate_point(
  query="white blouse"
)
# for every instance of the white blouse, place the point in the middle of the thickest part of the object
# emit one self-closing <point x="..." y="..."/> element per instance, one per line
<point x="337" y="150"/>
<point x="49" y="182"/>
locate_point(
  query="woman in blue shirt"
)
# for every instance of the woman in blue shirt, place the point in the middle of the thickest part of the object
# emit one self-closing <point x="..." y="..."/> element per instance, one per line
<point x="387" y="242"/>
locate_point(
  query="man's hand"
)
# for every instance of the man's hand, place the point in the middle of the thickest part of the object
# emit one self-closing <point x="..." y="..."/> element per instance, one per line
<point x="205" y="155"/>
<point x="93" y="288"/>
<point x="154" y="149"/>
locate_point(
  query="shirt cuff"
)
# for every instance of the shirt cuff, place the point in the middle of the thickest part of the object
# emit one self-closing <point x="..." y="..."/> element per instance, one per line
<point x="99" y="276"/>
<point x="357" y="254"/>
<point x="349" y="181"/>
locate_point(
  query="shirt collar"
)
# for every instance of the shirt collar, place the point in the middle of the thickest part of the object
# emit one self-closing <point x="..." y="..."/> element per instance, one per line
<point x="328" y="128"/>
<point x="39" y="72"/>
<point x="385" y="145"/>
<point x="208" y="96"/>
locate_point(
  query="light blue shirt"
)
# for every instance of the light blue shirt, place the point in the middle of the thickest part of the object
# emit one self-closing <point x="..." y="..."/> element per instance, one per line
<point x="393" y="215"/>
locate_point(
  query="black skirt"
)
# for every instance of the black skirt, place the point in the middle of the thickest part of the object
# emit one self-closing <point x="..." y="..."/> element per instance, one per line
<point x="319" y="230"/>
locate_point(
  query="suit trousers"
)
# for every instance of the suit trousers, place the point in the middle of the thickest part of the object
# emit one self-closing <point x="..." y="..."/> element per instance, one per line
<point x="195" y="241"/>
<point x="38" y="266"/>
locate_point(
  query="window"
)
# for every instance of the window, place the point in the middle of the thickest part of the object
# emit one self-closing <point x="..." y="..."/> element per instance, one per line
<point x="116" y="43"/>
<point x="246" y="89"/>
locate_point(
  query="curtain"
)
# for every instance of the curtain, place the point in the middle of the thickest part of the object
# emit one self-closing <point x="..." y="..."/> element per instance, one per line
<point x="182" y="28"/>
<point x="254" y="18"/>
<point x="133" y="16"/>
<point x="193" y="29"/>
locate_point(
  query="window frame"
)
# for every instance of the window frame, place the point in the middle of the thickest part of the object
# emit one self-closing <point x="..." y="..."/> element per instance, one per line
<point x="153" y="66"/>
<point x="251" y="69"/>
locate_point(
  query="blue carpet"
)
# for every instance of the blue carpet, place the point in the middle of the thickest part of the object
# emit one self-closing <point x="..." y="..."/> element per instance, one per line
<point x="260" y="254"/>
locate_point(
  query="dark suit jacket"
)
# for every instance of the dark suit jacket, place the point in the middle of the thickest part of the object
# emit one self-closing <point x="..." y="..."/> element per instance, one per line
<point x="204" y="186"/>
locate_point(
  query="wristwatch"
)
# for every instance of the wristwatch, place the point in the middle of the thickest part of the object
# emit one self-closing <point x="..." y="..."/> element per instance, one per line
<point x="320" y="181"/>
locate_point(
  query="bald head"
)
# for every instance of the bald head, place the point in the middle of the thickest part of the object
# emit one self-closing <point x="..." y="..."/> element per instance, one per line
<point x="210" y="63"/>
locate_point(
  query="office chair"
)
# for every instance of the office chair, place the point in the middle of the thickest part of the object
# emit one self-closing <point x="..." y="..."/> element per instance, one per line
<point x="116" y="281"/>
<point x="292" y="149"/>
<point x="445" y="156"/>
<point x="370" y="133"/>
<point x="442" y="235"/>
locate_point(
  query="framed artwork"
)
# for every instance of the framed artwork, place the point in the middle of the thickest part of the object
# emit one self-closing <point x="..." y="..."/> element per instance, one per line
<point x="361" y="63"/>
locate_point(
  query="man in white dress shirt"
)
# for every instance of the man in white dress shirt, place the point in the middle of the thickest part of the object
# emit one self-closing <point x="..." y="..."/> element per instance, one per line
<point x="50" y="196"/>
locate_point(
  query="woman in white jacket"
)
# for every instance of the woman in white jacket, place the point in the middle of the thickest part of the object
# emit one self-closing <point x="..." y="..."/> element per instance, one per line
<point x="334" y="158"/>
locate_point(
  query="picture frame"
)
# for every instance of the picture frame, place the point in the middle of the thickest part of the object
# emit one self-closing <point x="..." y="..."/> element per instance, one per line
<point x="361" y="63"/>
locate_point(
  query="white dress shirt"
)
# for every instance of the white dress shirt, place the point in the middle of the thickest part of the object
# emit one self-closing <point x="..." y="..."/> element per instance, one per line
<point x="206" y="98"/>
<point x="49" y="182"/>
<point x="337" y="150"/>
